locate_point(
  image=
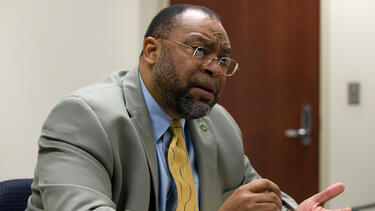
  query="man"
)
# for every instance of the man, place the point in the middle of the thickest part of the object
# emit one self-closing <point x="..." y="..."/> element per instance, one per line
<point x="153" y="138"/>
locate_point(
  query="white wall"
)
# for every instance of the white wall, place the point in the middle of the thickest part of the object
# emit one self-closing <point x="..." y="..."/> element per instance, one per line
<point x="348" y="132"/>
<point x="51" y="47"/>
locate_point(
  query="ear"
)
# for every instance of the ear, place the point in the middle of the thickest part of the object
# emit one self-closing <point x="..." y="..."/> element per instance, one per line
<point x="151" y="49"/>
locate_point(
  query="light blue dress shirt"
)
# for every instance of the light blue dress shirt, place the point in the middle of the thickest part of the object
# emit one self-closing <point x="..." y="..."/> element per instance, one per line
<point x="160" y="124"/>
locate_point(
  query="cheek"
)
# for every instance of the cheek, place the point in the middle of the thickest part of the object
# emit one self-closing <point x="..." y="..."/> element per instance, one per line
<point x="221" y="85"/>
<point x="186" y="73"/>
<point x="222" y="82"/>
<point x="178" y="68"/>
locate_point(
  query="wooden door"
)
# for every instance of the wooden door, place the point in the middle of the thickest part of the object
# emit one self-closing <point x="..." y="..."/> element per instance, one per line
<point x="277" y="45"/>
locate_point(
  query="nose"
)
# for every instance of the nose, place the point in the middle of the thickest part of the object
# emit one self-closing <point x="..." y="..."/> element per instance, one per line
<point x="212" y="68"/>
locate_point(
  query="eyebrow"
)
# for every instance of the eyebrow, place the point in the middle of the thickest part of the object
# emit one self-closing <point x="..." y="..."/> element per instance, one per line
<point x="208" y="43"/>
<point x="227" y="50"/>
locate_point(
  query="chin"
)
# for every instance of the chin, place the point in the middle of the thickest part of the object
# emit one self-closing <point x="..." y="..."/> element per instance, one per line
<point x="198" y="110"/>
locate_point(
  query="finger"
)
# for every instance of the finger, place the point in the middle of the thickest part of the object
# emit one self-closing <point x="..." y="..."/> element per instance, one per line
<point x="263" y="185"/>
<point x="344" y="209"/>
<point x="328" y="193"/>
<point x="268" y="197"/>
<point x="264" y="207"/>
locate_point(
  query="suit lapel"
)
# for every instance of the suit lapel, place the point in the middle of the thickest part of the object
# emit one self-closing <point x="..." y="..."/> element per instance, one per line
<point x="206" y="153"/>
<point x="204" y="142"/>
<point x="137" y="108"/>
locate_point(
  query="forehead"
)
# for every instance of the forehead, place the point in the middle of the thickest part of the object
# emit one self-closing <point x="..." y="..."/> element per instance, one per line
<point x="194" y="22"/>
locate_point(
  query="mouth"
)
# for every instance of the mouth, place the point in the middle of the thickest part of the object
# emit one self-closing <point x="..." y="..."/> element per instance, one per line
<point x="206" y="90"/>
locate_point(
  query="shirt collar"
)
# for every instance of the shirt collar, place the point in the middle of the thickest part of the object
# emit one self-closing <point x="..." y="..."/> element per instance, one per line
<point x="159" y="119"/>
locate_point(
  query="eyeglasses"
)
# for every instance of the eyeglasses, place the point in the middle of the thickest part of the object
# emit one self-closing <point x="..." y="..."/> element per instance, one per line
<point x="227" y="65"/>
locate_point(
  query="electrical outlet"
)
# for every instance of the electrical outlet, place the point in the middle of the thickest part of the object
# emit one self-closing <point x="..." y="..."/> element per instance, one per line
<point x="354" y="93"/>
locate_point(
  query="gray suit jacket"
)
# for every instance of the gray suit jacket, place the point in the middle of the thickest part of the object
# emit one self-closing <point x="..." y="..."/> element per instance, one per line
<point x="97" y="152"/>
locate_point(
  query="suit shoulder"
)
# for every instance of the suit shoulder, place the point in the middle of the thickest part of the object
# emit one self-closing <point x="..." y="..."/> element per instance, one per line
<point x="108" y="84"/>
<point x="221" y="118"/>
<point x="106" y="93"/>
<point x="219" y="111"/>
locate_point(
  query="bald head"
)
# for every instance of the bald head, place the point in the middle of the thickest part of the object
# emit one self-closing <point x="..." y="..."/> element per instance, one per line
<point x="167" y="18"/>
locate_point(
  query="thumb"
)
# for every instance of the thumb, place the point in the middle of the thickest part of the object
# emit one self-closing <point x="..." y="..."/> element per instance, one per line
<point x="328" y="193"/>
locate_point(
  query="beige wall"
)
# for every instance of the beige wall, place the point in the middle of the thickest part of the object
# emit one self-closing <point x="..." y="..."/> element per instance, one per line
<point x="348" y="141"/>
<point x="51" y="47"/>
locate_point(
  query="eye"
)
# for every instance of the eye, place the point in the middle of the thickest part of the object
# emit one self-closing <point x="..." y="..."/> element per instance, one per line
<point x="200" y="52"/>
<point x="225" y="61"/>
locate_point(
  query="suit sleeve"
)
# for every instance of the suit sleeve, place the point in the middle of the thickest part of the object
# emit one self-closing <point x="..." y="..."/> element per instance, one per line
<point x="75" y="161"/>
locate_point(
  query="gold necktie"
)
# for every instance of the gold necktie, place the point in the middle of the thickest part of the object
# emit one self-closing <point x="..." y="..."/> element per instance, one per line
<point x="179" y="165"/>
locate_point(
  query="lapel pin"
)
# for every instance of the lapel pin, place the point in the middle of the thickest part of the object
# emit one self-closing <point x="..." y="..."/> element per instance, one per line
<point x="203" y="126"/>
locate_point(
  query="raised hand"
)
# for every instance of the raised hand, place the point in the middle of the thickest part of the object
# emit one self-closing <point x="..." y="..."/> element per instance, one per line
<point x="316" y="202"/>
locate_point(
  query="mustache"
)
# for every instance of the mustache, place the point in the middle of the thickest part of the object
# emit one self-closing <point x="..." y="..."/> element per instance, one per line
<point x="204" y="83"/>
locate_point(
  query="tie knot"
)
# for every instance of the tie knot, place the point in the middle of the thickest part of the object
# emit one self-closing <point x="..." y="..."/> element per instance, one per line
<point x="175" y="128"/>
